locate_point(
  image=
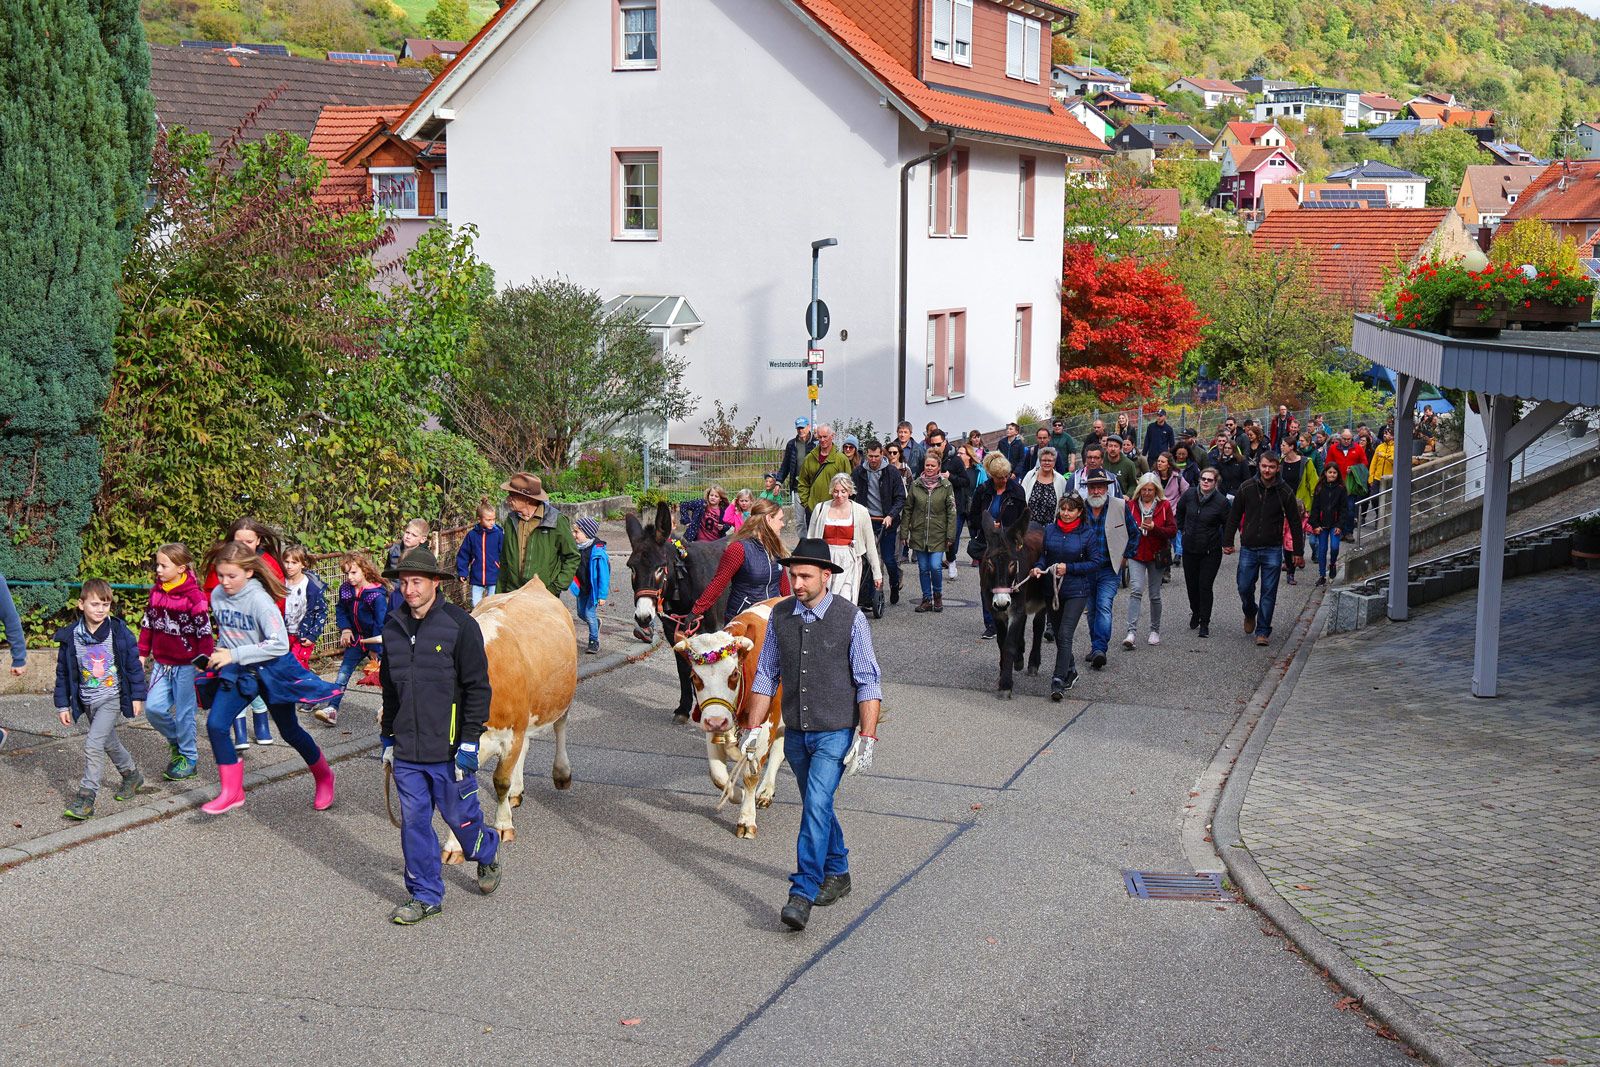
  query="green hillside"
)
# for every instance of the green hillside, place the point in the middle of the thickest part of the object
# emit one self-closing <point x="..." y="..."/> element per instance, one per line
<point x="1532" y="64"/>
<point x="313" y="27"/>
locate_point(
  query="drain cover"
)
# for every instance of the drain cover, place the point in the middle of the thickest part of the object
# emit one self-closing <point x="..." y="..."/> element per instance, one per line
<point x="1159" y="885"/>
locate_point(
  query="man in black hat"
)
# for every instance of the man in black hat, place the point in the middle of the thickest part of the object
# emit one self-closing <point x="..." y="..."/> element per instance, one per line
<point x="435" y="679"/>
<point x="820" y="647"/>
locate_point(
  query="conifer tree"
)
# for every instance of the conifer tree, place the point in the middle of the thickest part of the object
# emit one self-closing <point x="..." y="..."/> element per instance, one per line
<point x="76" y="126"/>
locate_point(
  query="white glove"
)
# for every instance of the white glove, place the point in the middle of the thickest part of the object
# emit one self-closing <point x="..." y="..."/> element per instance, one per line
<point x="388" y="750"/>
<point x="859" y="757"/>
<point x="752" y="738"/>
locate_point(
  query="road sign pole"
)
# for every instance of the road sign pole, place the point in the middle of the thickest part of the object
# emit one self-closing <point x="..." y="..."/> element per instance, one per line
<point x="811" y="338"/>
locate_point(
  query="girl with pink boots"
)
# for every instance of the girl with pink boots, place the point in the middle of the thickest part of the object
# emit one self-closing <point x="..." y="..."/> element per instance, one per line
<point x="253" y="659"/>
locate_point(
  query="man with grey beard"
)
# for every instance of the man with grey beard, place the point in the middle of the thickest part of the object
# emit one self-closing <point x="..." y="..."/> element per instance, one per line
<point x="1108" y="518"/>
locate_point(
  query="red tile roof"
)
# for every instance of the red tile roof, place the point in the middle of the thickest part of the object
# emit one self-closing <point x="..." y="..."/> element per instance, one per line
<point x="881" y="35"/>
<point x="1549" y="197"/>
<point x="1381" y="102"/>
<point x="877" y="35"/>
<point x="1158" y="207"/>
<point x="338" y="130"/>
<point x="1251" y="132"/>
<point x="1213" y="85"/>
<point x="1255" y="158"/>
<point x="1351" y="250"/>
<point x="1452" y="116"/>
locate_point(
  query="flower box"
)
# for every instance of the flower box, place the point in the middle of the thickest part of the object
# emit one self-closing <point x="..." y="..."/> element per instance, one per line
<point x="1470" y="315"/>
<point x="1540" y="313"/>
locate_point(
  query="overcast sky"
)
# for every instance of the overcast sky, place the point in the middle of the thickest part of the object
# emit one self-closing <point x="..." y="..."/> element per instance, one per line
<point x="1588" y="7"/>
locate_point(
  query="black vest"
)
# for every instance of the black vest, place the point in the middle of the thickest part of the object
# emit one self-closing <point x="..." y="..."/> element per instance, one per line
<point x="819" y="692"/>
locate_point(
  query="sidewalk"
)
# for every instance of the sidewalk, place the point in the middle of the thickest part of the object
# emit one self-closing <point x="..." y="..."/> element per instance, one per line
<point x="1447" y="844"/>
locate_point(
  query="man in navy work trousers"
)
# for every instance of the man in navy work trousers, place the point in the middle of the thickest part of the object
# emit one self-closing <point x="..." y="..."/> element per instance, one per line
<point x="821" y="648"/>
<point x="435" y="679"/>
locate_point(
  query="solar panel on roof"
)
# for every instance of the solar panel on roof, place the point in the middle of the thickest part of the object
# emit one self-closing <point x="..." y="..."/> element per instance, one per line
<point x="362" y="57"/>
<point x="224" y="46"/>
<point x="1345" y="205"/>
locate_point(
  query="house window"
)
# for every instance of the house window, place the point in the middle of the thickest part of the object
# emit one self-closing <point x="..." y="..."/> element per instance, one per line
<point x="636" y="35"/>
<point x="947" y="355"/>
<point x="638" y="203"/>
<point x="947" y="194"/>
<point x="394" y="190"/>
<point x="441" y="195"/>
<point x="1022" y="345"/>
<point x="1023" y="45"/>
<point x="952" y="31"/>
<point x="1026" y="165"/>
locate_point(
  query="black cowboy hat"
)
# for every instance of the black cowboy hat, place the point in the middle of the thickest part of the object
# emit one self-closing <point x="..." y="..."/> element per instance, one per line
<point x="419" y="560"/>
<point x="813" y="551"/>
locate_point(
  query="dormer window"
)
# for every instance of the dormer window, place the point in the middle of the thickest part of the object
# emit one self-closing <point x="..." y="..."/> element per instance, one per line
<point x="394" y="190"/>
<point x="952" y="31"/>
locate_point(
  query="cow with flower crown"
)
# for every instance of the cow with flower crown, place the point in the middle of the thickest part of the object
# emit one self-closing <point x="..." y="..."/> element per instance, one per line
<point x="722" y="666"/>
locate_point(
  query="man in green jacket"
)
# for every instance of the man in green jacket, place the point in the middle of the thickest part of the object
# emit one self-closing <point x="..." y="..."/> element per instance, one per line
<point x="818" y="469"/>
<point x="538" y="541"/>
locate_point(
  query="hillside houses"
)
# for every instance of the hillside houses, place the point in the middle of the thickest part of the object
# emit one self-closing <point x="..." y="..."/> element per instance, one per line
<point x="1301" y="101"/>
<point x="1488" y="192"/>
<point x="1145" y="142"/>
<point x="1086" y="81"/>
<point x="1403" y="187"/>
<point x="1213" y="91"/>
<point x="1566" y="195"/>
<point x="1247" y="170"/>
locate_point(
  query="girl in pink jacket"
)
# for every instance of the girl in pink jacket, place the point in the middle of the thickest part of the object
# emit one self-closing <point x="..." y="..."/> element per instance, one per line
<point x="176" y="630"/>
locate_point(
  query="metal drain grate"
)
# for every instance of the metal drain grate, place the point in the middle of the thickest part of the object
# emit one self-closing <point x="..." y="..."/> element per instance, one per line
<point x="1158" y="885"/>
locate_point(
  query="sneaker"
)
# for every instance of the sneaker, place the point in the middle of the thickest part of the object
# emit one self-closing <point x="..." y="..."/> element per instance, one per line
<point x="1058" y="686"/>
<point x="989" y="633"/>
<point x="181" y="769"/>
<point x="1127" y="642"/>
<point x="3" y="735"/>
<point x="952" y="571"/>
<point x="328" y="715"/>
<point x="412" y="912"/>
<point x="1070" y="680"/>
<point x="1262" y="641"/>
<point x="82" y="806"/>
<point x="593" y="648"/>
<point x="1322" y="581"/>
<point x="131" y="783"/>
<point x="488" y="878"/>
<point x="1155" y="638"/>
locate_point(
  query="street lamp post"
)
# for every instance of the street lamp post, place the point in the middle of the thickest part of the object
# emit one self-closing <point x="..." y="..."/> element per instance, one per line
<point x="816" y="325"/>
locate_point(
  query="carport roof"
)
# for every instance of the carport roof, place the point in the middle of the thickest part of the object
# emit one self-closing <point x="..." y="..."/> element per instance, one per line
<point x="1557" y="366"/>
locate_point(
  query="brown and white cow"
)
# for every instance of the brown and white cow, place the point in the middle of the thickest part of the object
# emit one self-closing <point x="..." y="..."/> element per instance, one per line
<point x="532" y="645"/>
<point x="723" y="666"/>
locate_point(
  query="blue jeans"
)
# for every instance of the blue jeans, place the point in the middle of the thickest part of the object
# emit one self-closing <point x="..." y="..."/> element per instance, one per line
<point x="1266" y="562"/>
<point x="590" y="613"/>
<point x="1325" y="546"/>
<point x="1106" y="584"/>
<point x="219" y="722"/>
<point x="817" y="759"/>
<point x="481" y="591"/>
<point x="930" y="571"/>
<point x="423" y="787"/>
<point x="888" y="550"/>
<point x="171" y="707"/>
<point x="353" y="658"/>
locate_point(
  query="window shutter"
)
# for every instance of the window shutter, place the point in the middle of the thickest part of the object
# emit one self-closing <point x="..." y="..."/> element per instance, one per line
<point x="956" y="334"/>
<point x="958" y="190"/>
<point x="1025" y="176"/>
<point x="941" y="200"/>
<point x="963" y="31"/>
<point x="1024" y="344"/>
<point x="1031" y="47"/>
<point x="935" y="357"/>
<point x="1014" y="42"/>
<point x="941" y="28"/>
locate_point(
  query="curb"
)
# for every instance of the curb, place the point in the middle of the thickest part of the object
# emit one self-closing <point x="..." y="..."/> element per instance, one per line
<point x="1389" y="1007"/>
<point x="165" y="807"/>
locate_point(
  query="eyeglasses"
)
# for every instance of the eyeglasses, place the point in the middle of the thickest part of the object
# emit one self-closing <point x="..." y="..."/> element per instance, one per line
<point x="1203" y="480"/>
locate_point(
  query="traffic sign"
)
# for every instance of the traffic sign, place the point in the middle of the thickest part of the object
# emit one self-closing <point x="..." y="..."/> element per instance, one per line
<point x="811" y="392"/>
<point x="787" y="364"/>
<point x="814" y="356"/>
<point x="817" y="320"/>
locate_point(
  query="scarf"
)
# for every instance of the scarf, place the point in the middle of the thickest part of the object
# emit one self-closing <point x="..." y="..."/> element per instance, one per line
<point x="1068" y="527"/>
<point x="931" y="481"/>
<point x="1147" y="511"/>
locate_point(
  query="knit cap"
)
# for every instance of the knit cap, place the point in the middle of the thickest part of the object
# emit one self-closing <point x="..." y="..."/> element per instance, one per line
<point x="590" y="528"/>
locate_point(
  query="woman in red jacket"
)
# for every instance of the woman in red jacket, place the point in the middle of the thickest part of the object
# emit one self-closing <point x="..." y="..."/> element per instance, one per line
<point x="1152" y="516"/>
<point x="176" y="630"/>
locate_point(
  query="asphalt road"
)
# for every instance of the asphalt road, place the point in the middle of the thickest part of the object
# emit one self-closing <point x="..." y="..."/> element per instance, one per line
<point x="989" y="923"/>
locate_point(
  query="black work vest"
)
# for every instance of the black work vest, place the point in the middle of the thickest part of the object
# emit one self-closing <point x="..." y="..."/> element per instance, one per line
<point x="819" y="692"/>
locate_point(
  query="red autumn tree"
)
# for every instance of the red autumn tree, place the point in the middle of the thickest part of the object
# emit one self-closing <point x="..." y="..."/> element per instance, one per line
<point x="1124" y="325"/>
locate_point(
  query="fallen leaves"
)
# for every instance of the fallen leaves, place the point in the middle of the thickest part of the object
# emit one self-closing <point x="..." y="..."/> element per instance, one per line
<point x="1304" y="887"/>
<point x="632" y="1022"/>
<point x="1348" y="1003"/>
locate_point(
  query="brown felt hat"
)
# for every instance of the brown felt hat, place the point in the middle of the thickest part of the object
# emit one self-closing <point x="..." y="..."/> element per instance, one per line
<point x="528" y="485"/>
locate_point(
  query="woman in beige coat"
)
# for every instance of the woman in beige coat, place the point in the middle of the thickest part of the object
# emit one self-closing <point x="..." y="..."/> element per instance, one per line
<point x="847" y="528"/>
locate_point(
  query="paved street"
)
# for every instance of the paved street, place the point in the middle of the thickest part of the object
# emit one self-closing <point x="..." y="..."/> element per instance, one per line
<point x="989" y="923"/>
<point x="1447" y="843"/>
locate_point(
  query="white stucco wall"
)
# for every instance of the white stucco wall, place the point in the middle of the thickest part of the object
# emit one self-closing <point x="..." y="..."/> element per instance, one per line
<point x="768" y="141"/>
<point x="989" y="272"/>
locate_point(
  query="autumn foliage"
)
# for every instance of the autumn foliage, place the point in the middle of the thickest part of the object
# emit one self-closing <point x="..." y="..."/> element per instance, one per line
<point x="1124" y="325"/>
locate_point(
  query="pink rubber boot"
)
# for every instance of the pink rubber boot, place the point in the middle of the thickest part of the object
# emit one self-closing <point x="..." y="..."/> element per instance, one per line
<point x="232" y="794"/>
<point x="323" y="775"/>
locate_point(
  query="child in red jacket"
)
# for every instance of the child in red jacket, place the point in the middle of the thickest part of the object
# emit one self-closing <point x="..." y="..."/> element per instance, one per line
<point x="176" y="630"/>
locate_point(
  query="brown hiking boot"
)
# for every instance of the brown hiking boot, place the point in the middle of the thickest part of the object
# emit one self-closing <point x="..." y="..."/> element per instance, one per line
<point x="938" y="602"/>
<point x="926" y="605"/>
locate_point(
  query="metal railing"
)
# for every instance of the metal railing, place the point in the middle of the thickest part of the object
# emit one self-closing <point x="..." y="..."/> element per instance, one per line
<point x="1439" y="489"/>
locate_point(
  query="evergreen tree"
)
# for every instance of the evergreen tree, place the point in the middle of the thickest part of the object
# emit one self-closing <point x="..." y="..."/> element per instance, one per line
<point x="76" y="125"/>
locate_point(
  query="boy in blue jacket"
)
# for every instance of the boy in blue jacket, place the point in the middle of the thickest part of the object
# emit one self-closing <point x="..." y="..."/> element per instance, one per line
<point x="478" y="561"/>
<point x="593" y="582"/>
<point x="99" y="675"/>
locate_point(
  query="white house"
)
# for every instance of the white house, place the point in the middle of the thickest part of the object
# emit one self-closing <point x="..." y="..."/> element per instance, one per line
<point x="1588" y="137"/>
<point x="1405" y="188"/>
<point x="1294" y="103"/>
<point x="1087" y="81"/>
<point x="1213" y="91"/>
<point x="1377" y="108"/>
<point x="612" y="143"/>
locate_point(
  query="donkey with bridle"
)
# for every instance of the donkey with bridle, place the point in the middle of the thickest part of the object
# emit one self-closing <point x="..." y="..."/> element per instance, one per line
<point x="1013" y="597"/>
<point x="669" y="575"/>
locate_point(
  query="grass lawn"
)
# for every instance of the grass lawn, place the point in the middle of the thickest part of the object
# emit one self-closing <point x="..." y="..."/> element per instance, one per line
<point x="416" y="10"/>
